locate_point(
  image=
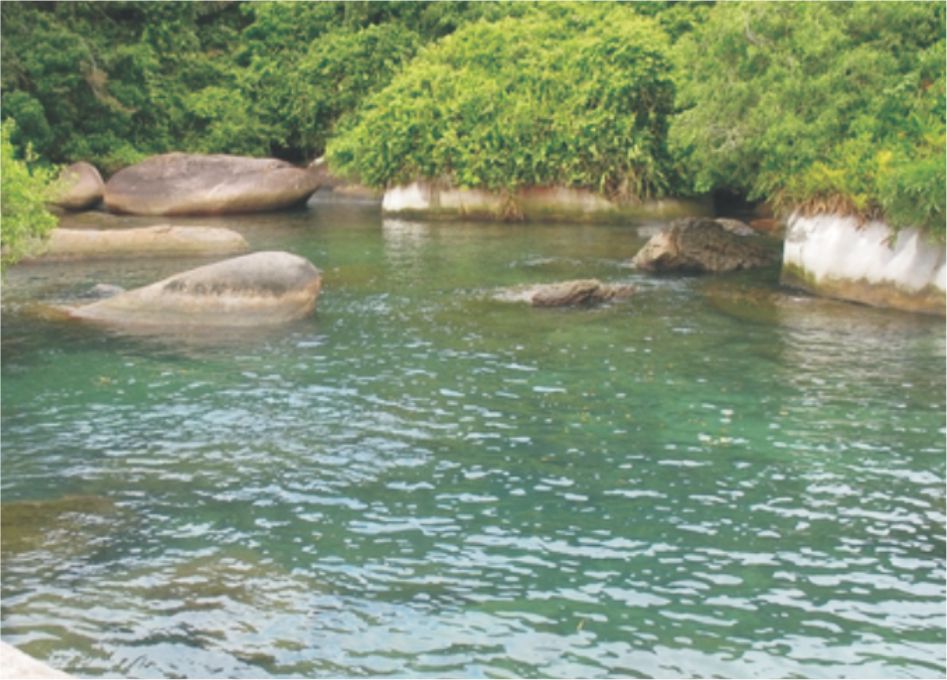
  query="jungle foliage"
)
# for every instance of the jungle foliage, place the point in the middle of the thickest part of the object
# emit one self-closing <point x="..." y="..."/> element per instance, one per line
<point x="570" y="94"/>
<point x="811" y="105"/>
<point x="818" y="106"/>
<point x="23" y="212"/>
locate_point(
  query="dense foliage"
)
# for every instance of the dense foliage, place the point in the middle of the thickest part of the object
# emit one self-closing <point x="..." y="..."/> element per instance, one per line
<point x="575" y="95"/>
<point x="812" y="105"/>
<point x="24" y="219"/>
<point x="836" y="106"/>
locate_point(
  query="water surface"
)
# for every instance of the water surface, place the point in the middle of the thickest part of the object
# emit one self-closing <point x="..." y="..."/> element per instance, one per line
<point x="716" y="477"/>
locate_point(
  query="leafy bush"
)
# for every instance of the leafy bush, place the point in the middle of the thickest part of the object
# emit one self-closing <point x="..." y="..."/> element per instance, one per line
<point x="577" y="95"/>
<point x="818" y="106"/>
<point x="24" y="219"/>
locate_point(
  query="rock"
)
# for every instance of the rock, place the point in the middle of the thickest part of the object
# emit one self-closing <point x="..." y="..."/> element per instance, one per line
<point x="258" y="289"/>
<point x="194" y="184"/>
<point x="840" y="257"/>
<point x="768" y="225"/>
<point x="335" y="189"/>
<point x="567" y="293"/>
<point x="17" y="664"/>
<point x="100" y="291"/>
<point x="161" y="240"/>
<point x="79" y="187"/>
<point x="702" y="245"/>
<point x="438" y="200"/>
<point x="737" y="227"/>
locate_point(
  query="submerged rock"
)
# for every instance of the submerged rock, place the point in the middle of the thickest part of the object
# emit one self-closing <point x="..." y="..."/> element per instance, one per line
<point x="65" y="526"/>
<point x="100" y="291"/>
<point x="702" y="245"/>
<point x="161" y="240"/>
<point x="79" y="187"/>
<point x="258" y="289"/>
<point x="567" y="293"/>
<point x="195" y="184"/>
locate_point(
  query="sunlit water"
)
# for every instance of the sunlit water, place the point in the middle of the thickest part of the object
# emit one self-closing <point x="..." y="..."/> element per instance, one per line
<point x="715" y="477"/>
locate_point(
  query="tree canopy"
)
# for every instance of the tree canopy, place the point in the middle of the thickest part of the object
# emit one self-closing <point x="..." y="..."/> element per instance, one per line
<point x="578" y="95"/>
<point x="807" y="105"/>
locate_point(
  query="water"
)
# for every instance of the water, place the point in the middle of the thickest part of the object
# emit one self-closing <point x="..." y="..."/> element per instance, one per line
<point x="713" y="478"/>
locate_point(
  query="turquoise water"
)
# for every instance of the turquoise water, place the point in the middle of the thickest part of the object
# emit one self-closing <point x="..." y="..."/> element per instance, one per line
<point x="713" y="478"/>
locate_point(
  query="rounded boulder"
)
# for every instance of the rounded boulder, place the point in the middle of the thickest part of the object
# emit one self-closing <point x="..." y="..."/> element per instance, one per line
<point x="257" y="289"/>
<point x="217" y="184"/>
<point x="79" y="187"/>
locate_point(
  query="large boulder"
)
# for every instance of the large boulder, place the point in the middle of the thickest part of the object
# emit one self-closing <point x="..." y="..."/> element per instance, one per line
<point x="697" y="244"/>
<point x="194" y="184"/>
<point x="567" y="293"/>
<point x="157" y="241"/>
<point x="78" y="187"/>
<point x="251" y="290"/>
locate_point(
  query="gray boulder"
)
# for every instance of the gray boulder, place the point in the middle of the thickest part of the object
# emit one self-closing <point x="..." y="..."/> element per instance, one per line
<point x="698" y="244"/>
<point x="195" y="184"/>
<point x="251" y="290"/>
<point x="78" y="187"/>
<point x="567" y="293"/>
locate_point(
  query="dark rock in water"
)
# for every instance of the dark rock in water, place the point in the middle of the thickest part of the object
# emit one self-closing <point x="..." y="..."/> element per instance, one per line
<point x="567" y="293"/>
<point x="79" y="187"/>
<point x="702" y="245"/>
<point x="194" y="184"/>
<point x="100" y="291"/>
<point x="259" y="289"/>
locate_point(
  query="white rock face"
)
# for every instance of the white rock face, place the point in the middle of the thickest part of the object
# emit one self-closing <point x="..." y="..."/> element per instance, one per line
<point x="831" y="255"/>
<point x="431" y="200"/>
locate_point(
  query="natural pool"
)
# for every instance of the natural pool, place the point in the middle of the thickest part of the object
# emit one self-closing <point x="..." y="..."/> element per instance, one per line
<point x="715" y="477"/>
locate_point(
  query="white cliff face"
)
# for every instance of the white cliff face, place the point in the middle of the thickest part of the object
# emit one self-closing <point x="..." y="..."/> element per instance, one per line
<point x="832" y="255"/>
<point x="430" y="200"/>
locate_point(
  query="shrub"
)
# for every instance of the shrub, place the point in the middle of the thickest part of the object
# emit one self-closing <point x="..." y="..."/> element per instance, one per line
<point x="814" y="106"/>
<point x="24" y="219"/>
<point x="577" y="95"/>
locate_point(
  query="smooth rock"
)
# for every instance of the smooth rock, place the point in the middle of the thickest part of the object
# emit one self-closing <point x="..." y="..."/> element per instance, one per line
<point x="702" y="245"/>
<point x="160" y="240"/>
<point x="194" y="184"/>
<point x="78" y="187"/>
<point x="258" y="289"/>
<point x="567" y="293"/>
<point x="837" y="256"/>
<point x="17" y="664"/>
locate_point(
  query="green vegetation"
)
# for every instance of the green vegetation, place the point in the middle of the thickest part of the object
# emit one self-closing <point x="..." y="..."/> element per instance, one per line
<point x="806" y="105"/>
<point x="836" y="106"/>
<point x="574" y="95"/>
<point x="24" y="219"/>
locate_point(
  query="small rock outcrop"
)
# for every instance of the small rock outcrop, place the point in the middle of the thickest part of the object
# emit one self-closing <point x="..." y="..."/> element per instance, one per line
<point x="251" y="290"/>
<point x="195" y="184"/>
<point x="567" y="293"/>
<point x="79" y="187"/>
<point x="157" y="241"/>
<point x="702" y="245"/>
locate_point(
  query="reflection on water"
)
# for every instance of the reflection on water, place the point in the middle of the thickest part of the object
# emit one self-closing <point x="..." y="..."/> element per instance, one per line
<point x="716" y="477"/>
